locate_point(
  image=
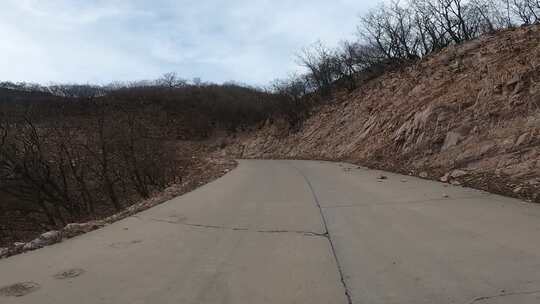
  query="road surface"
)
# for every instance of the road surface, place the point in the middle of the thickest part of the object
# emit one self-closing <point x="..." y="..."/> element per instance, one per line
<point x="298" y="232"/>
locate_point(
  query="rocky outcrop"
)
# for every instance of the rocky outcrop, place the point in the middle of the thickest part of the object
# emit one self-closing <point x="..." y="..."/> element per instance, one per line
<point x="473" y="108"/>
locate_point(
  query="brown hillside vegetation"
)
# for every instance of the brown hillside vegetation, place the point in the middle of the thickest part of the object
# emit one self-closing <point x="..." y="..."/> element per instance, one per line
<point x="467" y="115"/>
<point x="72" y="159"/>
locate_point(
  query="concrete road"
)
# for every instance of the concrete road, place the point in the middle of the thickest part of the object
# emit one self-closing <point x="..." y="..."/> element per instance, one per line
<point x="298" y="232"/>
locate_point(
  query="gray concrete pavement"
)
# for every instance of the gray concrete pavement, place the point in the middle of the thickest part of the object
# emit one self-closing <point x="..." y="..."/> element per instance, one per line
<point x="259" y="235"/>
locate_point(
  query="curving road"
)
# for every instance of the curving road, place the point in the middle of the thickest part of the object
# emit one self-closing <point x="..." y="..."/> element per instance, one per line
<point x="297" y="232"/>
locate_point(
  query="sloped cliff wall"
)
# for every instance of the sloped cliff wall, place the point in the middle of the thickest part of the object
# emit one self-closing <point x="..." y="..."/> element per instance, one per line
<point x="467" y="115"/>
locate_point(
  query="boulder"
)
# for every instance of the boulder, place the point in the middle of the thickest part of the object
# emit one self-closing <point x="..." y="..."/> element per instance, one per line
<point x="33" y="245"/>
<point x="51" y="236"/>
<point x="424" y="174"/>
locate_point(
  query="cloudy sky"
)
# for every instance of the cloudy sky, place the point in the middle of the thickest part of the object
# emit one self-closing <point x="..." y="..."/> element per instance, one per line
<point x="99" y="41"/>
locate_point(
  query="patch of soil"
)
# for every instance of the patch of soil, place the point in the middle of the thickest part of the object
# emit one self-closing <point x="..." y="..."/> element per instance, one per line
<point x="69" y="274"/>
<point x="19" y="289"/>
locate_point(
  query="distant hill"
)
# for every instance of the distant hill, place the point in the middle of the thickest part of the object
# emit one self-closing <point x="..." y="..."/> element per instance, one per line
<point x="17" y="95"/>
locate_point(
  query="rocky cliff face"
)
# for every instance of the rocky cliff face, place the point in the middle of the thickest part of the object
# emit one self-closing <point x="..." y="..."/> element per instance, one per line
<point x="472" y="109"/>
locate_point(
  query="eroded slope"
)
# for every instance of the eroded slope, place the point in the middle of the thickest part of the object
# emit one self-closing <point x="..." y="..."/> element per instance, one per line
<point x="472" y="107"/>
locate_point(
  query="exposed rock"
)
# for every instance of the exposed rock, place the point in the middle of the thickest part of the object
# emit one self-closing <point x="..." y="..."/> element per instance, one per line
<point x="75" y="229"/>
<point x="382" y="177"/>
<point x="18" y="246"/>
<point x="445" y="178"/>
<point x="513" y="81"/>
<point x="47" y="238"/>
<point x="533" y="182"/>
<point x="4" y="252"/>
<point x="458" y="173"/>
<point x="424" y="174"/>
<point x="51" y="236"/>
<point x="455" y="183"/>
<point x="522" y="139"/>
<point x="518" y="190"/>
<point x="452" y="139"/>
<point x="33" y="245"/>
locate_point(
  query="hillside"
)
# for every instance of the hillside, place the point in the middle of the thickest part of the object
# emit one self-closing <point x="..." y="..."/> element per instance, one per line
<point x="19" y="96"/>
<point x="467" y="115"/>
<point x="76" y="159"/>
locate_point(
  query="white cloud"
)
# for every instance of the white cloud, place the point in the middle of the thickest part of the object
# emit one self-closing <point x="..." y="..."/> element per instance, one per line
<point x="101" y="41"/>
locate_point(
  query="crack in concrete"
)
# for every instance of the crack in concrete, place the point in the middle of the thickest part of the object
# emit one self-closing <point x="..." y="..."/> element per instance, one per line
<point x="175" y="222"/>
<point x="505" y="294"/>
<point x="425" y="201"/>
<point x="306" y="233"/>
<point x="216" y="227"/>
<point x="328" y="236"/>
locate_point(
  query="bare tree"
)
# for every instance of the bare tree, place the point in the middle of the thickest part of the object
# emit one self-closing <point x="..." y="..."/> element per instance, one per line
<point x="348" y="63"/>
<point x="391" y="29"/>
<point x="322" y="64"/>
<point x="527" y="11"/>
<point x="171" y="80"/>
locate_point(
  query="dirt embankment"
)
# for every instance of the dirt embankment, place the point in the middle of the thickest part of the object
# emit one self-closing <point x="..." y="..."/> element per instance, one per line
<point x="467" y="115"/>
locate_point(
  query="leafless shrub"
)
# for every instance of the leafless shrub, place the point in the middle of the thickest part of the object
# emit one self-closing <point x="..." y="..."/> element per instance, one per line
<point x="70" y="169"/>
<point x="292" y="103"/>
